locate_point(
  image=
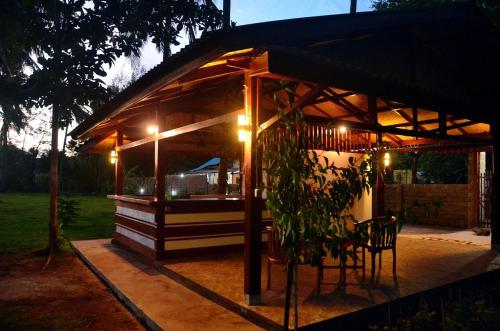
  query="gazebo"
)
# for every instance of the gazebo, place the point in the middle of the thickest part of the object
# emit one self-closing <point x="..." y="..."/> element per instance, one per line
<point x="411" y="80"/>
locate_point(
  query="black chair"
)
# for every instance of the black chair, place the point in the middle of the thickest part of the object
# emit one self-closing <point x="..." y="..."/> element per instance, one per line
<point x="377" y="235"/>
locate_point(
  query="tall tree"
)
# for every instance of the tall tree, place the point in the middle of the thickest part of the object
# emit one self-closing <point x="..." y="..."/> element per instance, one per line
<point x="490" y="7"/>
<point x="74" y="41"/>
<point x="15" y="48"/>
<point x="163" y="21"/>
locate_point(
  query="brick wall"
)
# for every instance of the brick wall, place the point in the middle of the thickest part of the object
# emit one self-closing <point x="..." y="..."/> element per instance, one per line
<point x="456" y="209"/>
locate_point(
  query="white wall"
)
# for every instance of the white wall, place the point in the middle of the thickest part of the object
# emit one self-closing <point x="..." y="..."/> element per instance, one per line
<point x="362" y="209"/>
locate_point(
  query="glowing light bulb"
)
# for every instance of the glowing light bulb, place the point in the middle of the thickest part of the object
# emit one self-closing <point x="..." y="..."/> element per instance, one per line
<point x="342" y="129"/>
<point x="113" y="157"/>
<point x="242" y="135"/>
<point x="152" y="129"/>
<point x="242" y="120"/>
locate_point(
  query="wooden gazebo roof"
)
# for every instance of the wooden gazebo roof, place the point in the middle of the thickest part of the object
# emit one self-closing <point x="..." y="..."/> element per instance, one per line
<point x="434" y="73"/>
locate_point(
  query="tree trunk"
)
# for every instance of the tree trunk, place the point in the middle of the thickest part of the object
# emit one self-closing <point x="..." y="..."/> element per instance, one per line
<point x="354" y="4"/>
<point x="61" y="161"/>
<point x="414" y="168"/>
<point x="53" y="226"/>
<point x="296" y="297"/>
<point x="226" y="14"/>
<point x="289" y="281"/>
<point x="3" y="156"/>
<point x="167" y="52"/>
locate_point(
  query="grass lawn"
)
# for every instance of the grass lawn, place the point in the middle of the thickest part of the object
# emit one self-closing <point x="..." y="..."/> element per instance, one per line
<point x="24" y="220"/>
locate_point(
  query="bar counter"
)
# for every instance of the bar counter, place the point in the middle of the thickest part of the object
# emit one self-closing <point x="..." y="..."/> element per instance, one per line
<point x="202" y="225"/>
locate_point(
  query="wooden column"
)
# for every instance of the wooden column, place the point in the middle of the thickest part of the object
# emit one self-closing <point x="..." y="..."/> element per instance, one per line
<point x="159" y="172"/>
<point x="119" y="163"/>
<point x="380" y="186"/>
<point x="495" y="196"/>
<point x="253" y="199"/>
<point x="473" y="174"/>
<point x="222" y="176"/>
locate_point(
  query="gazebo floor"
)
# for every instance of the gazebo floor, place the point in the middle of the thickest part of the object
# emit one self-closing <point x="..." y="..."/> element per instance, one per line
<point x="426" y="259"/>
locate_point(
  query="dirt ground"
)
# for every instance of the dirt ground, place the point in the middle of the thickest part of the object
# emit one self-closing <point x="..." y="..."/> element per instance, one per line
<point x="65" y="296"/>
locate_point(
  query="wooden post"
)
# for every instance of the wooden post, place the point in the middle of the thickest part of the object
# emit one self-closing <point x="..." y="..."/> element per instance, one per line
<point x="119" y="163"/>
<point x="442" y="124"/>
<point x="159" y="172"/>
<point x="473" y="193"/>
<point x="380" y="187"/>
<point x="253" y="198"/>
<point x="222" y="176"/>
<point x="495" y="196"/>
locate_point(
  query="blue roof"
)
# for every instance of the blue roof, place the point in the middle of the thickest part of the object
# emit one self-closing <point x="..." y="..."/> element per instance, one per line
<point x="212" y="162"/>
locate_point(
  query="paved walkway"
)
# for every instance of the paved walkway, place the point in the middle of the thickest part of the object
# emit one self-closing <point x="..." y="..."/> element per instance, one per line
<point x="460" y="236"/>
<point x="170" y="305"/>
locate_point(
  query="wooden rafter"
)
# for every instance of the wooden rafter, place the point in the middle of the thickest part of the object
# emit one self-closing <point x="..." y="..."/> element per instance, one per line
<point x="404" y="115"/>
<point x="348" y="106"/>
<point x="303" y="101"/>
<point x="395" y="131"/>
<point x="231" y="117"/>
<point x="455" y="126"/>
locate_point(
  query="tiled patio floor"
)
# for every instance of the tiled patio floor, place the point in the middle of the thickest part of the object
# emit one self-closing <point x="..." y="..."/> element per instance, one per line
<point x="426" y="259"/>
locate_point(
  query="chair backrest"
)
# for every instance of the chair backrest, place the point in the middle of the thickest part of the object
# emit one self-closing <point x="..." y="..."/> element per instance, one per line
<point x="274" y="248"/>
<point x="383" y="232"/>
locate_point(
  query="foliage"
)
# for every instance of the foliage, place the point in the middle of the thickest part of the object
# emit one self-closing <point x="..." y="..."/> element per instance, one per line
<point x="163" y="21"/>
<point x="24" y="220"/>
<point x="68" y="211"/>
<point x="491" y="8"/>
<point x="411" y="213"/>
<point x="435" y="168"/>
<point x="308" y="196"/>
<point x="468" y="313"/>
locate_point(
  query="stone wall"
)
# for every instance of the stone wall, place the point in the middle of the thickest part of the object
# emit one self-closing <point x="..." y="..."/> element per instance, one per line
<point x="456" y="209"/>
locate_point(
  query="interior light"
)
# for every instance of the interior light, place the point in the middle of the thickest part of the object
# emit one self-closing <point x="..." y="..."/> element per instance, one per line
<point x="113" y="157"/>
<point x="242" y="135"/>
<point x="182" y="175"/>
<point x="387" y="159"/>
<point x="242" y="120"/>
<point x="142" y="190"/>
<point x="342" y="129"/>
<point x="152" y="129"/>
<point x="174" y="192"/>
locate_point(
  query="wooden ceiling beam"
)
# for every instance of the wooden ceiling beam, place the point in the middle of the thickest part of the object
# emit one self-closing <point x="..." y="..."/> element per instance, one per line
<point x="395" y="131"/>
<point x="303" y="101"/>
<point x="454" y="126"/>
<point x="348" y="106"/>
<point x="209" y="73"/>
<point x="230" y="117"/>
